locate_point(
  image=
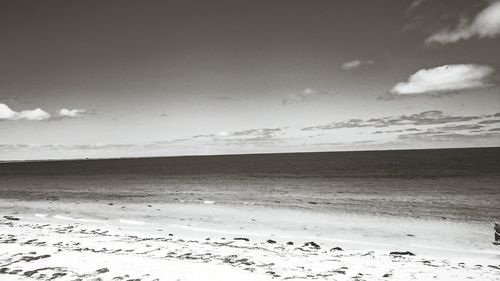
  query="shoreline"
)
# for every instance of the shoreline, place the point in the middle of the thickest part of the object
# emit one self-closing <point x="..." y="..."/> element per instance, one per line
<point x="436" y="238"/>
<point x="311" y="205"/>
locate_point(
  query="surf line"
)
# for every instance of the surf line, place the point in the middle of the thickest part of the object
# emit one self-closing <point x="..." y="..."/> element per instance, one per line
<point x="131" y="222"/>
<point x="453" y="249"/>
<point x="75" y="219"/>
<point x="351" y="241"/>
<point x="199" y="229"/>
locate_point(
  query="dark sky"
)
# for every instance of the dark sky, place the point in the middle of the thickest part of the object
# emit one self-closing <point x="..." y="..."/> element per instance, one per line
<point x="146" y="77"/>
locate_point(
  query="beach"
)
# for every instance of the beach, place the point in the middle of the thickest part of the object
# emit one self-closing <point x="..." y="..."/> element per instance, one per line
<point x="105" y="240"/>
<point x="325" y="216"/>
<point x="249" y="140"/>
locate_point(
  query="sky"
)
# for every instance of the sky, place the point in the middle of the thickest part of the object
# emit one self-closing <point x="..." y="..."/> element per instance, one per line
<point x="99" y="79"/>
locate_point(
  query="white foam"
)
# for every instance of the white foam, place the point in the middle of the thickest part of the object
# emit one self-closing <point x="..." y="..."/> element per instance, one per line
<point x="208" y="202"/>
<point x="59" y="217"/>
<point x="41" y="215"/>
<point x="227" y="232"/>
<point x="201" y="229"/>
<point x="454" y="249"/>
<point x="352" y="241"/>
<point x="131" y="222"/>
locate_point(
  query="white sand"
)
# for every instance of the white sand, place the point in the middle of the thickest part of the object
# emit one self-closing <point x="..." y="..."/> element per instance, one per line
<point x="87" y="241"/>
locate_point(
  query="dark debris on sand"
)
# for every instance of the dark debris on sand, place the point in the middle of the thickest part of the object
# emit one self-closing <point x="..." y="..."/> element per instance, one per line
<point x="407" y="253"/>
<point x="242" y="239"/>
<point x="312" y="244"/>
<point x="10" y="218"/>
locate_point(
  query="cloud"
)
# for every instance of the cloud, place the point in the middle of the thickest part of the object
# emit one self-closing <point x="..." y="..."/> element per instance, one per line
<point x="73" y="113"/>
<point x="493" y="121"/>
<point x="226" y="141"/>
<point x="432" y="117"/>
<point x="6" y="113"/>
<point x="445" y="79"/>
<point x="352" y="64"/>
<point x="423" y="14"/>
<point x="222" y="98"/>
<point x="422" y="128"/>
<point x="264" y="134"/>
<point x="247" y="136"/>
<point x="415" y="4"/>
<point x="34" y="115"/>
<point x="464" y="127"/>
<point x="431" y="135"/>
<point x="174" y="141"/>
<point x="256" y="132"/>
<point x="11" y="147"/>
<point x="306" y="95"/>
<point x="486" y="24"/>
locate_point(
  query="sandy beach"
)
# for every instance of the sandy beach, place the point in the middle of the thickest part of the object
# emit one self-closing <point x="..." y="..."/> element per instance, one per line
<point x="63" y="240"/>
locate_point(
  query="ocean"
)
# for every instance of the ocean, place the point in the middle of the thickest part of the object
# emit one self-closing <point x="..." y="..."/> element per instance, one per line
<point x="446" y="184"/>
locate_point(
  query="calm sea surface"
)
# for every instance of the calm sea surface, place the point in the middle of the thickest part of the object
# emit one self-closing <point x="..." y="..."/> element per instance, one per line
<point x="458" y="184"/>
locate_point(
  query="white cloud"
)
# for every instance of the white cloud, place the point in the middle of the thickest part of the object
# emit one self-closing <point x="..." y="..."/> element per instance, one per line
<point x="306" y="95"/>
<point x="35" y="115"/>
<point x="445" y="79"/>
<point x="415" y="4"/>
<point x="352" y="64"/>
<point x="72" y="113"/>
<point x="6" y="113"/>
<point x="486" y="24"/>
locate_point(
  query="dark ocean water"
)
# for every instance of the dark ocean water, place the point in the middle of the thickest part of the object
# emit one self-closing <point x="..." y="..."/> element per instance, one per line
<point x="458" y="184"/>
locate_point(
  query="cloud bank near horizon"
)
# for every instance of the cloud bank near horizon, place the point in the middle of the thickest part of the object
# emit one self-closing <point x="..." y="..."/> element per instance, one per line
<point x="432" y="117"/>
<point x="427" y="127"/>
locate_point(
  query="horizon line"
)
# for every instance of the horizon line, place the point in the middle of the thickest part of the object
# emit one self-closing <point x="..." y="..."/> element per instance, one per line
<point x="234" y="154"/>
